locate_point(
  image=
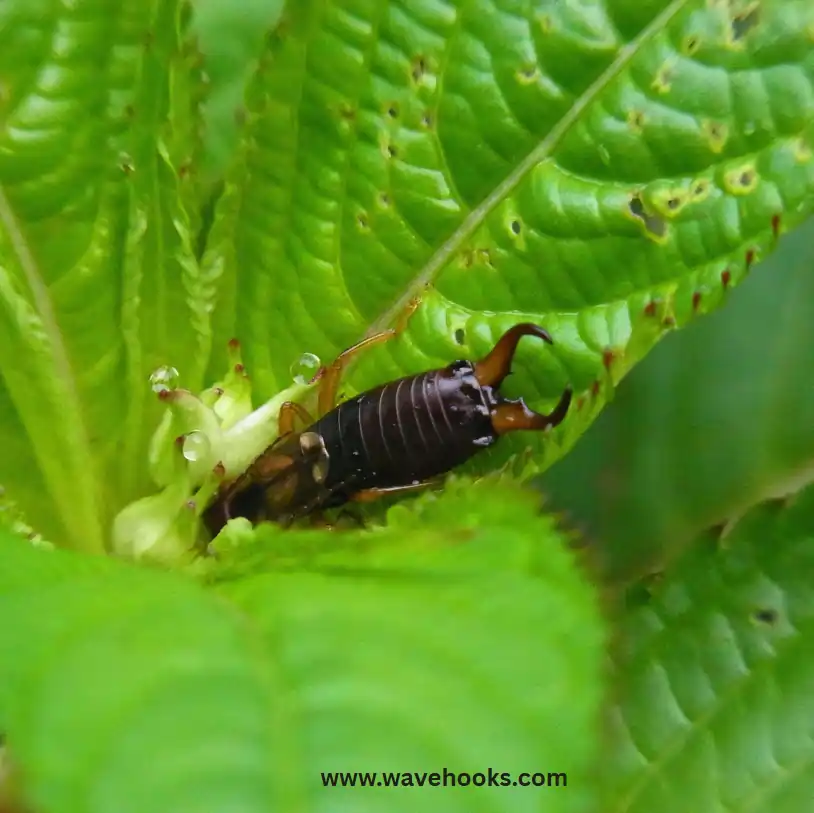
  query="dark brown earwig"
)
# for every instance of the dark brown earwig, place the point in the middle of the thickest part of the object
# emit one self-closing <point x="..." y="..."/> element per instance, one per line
<point x="395" y="438"/>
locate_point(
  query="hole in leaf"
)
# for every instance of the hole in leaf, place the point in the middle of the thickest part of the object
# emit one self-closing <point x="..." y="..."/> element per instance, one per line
<point x="766" y="615"/>
<point x="418" y="68"/>
<point x="654" y="224"/>
<point x="691" y="45"/>
<point x="527" y="74"/>
<point x="459" y="335"/>
<point x="426" y="120"/>
<point x="126" y="164"/>
<point x="485" y="255"/>
<point x="393" y="110"/>
<point x="635" y="118"/>
<point x="743" y="23"/>
<point x="515" y="226"/>
<point x="663" y="79"/>
<point x="716" y="133"/>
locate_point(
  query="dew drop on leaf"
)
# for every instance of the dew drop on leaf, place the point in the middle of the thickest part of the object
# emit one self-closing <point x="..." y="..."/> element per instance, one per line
<point x="196" y="446"/>
<point x="163" y="379"/>
<point x="305" y="368"/>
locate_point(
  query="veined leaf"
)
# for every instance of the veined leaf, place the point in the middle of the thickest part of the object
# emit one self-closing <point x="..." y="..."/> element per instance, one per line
<point x="607" y="169"/>
<point x="97" y="280"/>
<point x="715" y="666"/>
<point x="462" y="636"/>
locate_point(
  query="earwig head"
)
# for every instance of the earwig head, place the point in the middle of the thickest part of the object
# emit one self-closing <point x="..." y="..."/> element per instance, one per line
<point x="497" y="364"/>
<point x="492" y="369"/>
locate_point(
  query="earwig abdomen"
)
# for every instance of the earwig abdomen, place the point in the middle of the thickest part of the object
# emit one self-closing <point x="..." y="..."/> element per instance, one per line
<point x="399" y="435"/>
<point x="407" y="431"/>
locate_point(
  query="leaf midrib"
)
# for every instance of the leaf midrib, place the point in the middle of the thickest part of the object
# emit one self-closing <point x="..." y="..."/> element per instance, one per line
<point x="63" y="373"/>
<point x="544" y="149"/>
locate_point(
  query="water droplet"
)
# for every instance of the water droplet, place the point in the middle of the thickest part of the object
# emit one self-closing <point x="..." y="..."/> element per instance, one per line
<point x="604" y="154"/>
<point x="164" y="378"/>
<point x="305" y="368"/>
<point x="196" y="445"/>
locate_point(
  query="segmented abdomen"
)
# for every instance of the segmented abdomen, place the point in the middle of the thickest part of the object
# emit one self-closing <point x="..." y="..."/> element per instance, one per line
<point x="406" y="431"/>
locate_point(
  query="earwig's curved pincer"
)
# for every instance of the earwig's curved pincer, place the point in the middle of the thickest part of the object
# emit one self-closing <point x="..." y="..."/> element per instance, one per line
<point x="490" y="371"/>
<point x="395" y="438"/>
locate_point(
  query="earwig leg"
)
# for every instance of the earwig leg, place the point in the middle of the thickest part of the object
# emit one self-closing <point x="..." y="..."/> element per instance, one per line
<point x="515" y="416"/>
<point x="329" y="376"/>
<point x="372" y="494"/>
<point x="289" y="412"/>
<point x="494" y="367"/>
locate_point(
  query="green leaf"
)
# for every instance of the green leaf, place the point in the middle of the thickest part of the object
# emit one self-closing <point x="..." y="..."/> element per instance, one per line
<point x="126" y="690"/>
<point x="231" y="37"/>
<point x="461" y="637"/>
<point x="716" y="419"/>
<point x="606" y="169"/>
<point x="98" y="285"/>
<point x="715" y="666"/>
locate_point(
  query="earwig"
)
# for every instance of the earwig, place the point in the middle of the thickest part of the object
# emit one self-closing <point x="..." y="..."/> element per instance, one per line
<point x="396" y="438"/>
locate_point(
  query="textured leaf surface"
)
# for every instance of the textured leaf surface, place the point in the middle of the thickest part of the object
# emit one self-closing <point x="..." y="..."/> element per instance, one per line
<point x="97" y="283"/>
<point x="129" y="691"/>
<point x="231" y="37"/>
<point x="606" y="169"/>
<point x="715" y="665"/>
<point x="715" y="420"/>
<point x="462" y="636"/>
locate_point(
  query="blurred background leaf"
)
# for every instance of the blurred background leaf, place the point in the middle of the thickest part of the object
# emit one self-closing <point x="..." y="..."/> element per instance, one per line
<point x="718" y="416"/>
<point x="462" y="636"/>
<point x="714" y="666"/>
